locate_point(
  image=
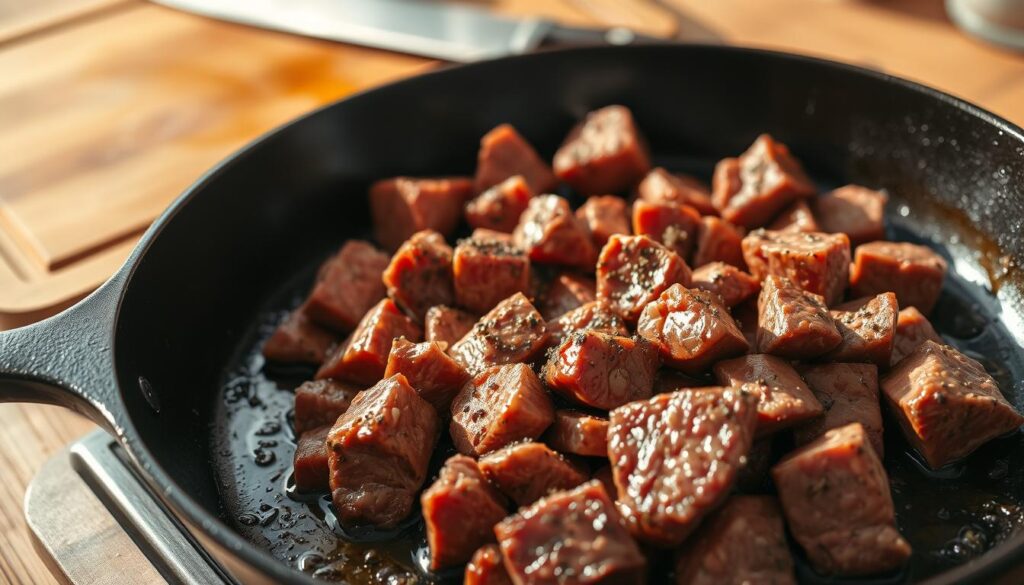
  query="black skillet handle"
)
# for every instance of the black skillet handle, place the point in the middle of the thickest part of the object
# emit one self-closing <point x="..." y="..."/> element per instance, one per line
<point x="569" y="36"/>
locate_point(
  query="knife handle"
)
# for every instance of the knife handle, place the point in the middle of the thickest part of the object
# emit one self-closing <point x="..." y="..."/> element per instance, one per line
<point x="562" y="36"/>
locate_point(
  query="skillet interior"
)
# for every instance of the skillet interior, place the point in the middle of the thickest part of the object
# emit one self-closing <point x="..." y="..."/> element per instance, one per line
<point x="259" y="222"/>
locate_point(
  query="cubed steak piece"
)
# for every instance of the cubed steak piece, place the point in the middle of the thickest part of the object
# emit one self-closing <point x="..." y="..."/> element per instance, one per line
<point x="784" y="400"/>
<point x="550" y="233"/>
<point x="435" y="376"/>
<point x="742" y="543"/>
<point x="299" y="340"/>
<point x="378" y="453"/>
<point x="912" y="329"/>
<point x="486" y="568"/>
<point x="499" y="207"/>
<point x="661" y="186"/>
<point x="505" y="153"/>
<point x="732" y="285"/>
<point x="835" y="495"/>
<point x="511" y="332"/>
<point x="570" y="538"/>
<point x="362" y="358"/>
<point x="403" y="206"/>
<point x="603" y="154"/>
<point x="795" y="218"/>
<point x="321" y="402"/>
<point x="946" y="403"/>
<point x="792" y="322"/>
<point x="488" y="268"/>
<point x="718" y="241"/>
<point x="848" y="393"/>
<point x="601" y="370"/>
<point x="868" y="327"/>
<point x="460" y="510"/>
<point x="347" y="285"/>
<point x="913" y="272"/>
<point x="604" y="216"/>
<point x="447" y="325"/>
<point x="816" y="262"/>
<point x="311" y="473"/>
<point x="566" y="292"/>
<point x="500" y="406"/>
<point x="633" y="270"/>
<point x="672" y="224"/>
<point x="675" y="457"/>
<point x="420" y="274"/>
<point x="752" y="189"/>
<point x="856" y="211"/>
<point x="578" y="433"/>
<point x="593" y="316"/>
<point x="526" y="472"/>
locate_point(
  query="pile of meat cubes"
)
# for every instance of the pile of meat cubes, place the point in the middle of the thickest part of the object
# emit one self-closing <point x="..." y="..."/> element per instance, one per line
<point x="613" y="376"/>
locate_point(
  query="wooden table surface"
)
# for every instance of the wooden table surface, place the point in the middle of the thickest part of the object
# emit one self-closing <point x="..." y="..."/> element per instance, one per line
<point x="109" y="108"/>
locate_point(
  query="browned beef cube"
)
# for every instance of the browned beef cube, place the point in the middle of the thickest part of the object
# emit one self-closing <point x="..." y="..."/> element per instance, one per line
<point x="633" y="270"/>
<point x="669" y="380"/>
<point x="601" y="370"/>
<point x="551" y="234"/>
<point x="311" y="472"/>
<point x="593" y="316"/>
<point x="718" y="241"/>
<point x="946" y="403"/>
<point x="691" y="329"/>
<point x="486" y="568"/>
<point x="868" y="327"/>
<point x="447" y="325"/>
<point x="603" y="154"/>
<point x="566" y="292"/>
<point x="660" y="186"/>
<point x="744" y="542"/>
<point x="499" y="406"/>
<point x="420" y="274"/>
<point x="754" y="188"/>
<point x="499" y="207"/>
<point x="784" y="399"/>
<point x="511" y="332"/>
<point x="460" y="510"/>
<point x="849" y="393"/>
<point x="732" y="285"/>
<point x="348" y="284"/>
<point x="912" y="329"/>
<point x="364" y="355"/>
<point x="913" y="272"/>
<point x="570" y="538"/>
<point x="816" y="262"/>
<point x="796" y="218"/>
<point x="578" y="433"/>
<point x="856" y="211"/>
<point x="378" y="453"/>
<point x="505" y="153"/>
<point x="403" y="206"/>
<point x="435" y="376"/>
<point x="604" y="216"/>
<point x="299" y="339"/>
<point x="321" y="402"/>
<point x="488" y="269"/>
<point x="792" y="322"/>
<point x="835" y="495"/>
<point x="673" y="224"/>
<point x="526" y="472"/>
<point x="675" y="457"/>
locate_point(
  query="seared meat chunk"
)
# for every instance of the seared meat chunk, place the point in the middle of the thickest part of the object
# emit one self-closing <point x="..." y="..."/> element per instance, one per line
<point x="435" y="376"/>
<point x="578" y="433"/>
<point x="550" y="233"/>
<point x="793" y="323"/>
<point x="796" y="218"/>
<point x="604" y="216"/>
<point x="403" y="206"/>
<point x="447" y="325"/>
<point x="420" y="274"/>
<point x="593" y="316"/>
<point x="848" y="393"/>
<point x="912" y="329"/>
<point x="660" y="186"/>
<point x="499" y="207"/>
<point x="505" y="153"/>
<point x="868" y="327"/>
<point x="633" y="270"/>
<point x="732" y="285"/>
<point x="718" y="241"/>
<point x="672" y="224"/>
<point x="818" y="263"/>
<point x="512" y="332"/>
<point x="364" y="355"/>
<point x="566" y="292"/>
<point x="946" y="403"/>
<point x="526" y="472"/>
<point x="784" y="399"/>
<point x="602" y="370"/>
<point x="603" y="154"/>
<point x="347" y="285"/>
<point x="856" y="211"/>
<point x="488" y="268"/>
<point x="321" y="402"/>
<point x="913" y="272"/>
<point x="311" y="472"/>
<point x="486" y="568"/>
<point x="299" y="339"/>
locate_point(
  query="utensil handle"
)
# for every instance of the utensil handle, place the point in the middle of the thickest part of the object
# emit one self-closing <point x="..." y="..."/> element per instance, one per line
<point x="563" y="36"/>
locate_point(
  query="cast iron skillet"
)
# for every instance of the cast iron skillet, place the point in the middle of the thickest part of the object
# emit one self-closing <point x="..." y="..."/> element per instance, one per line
<point x="145" y="355"/>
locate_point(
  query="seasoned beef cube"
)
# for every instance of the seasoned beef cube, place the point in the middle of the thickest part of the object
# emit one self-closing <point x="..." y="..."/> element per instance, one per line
<point x="784" y="399"/>
<point x="603" y="154"/>
<point x="691" y="329"/>
<point x="754" y="188"/>
<point x="868" y="327"/>
<point x="602" y="370"/>
<point x="488" y="269"/>
<point x="378" y="453"/>
<point x="604" y="216"/>
<point x="835" y="495"/>
<point x="511" y="332"/>
<point x="486" y="568"/>
<point x="946" y="404"/>
<point x="364" y="355"/>
<point x="321" y="402"/>
<point x="816" y="262"/>
<point x="570" y="538"/>
<point x="732" y="285"/>
<point x="348" y="284"/>
<point x="593" y="316"/>
<point x="669" y="380"/>
<point x="675" y="457"/>
<point x="913" y="272"/>
<point x="420" y="274"/>
<point x="912" y="329"/>
<point x="793" y="323"/>
<point x="660" y="186"/>
<point x="856" y="211"/>
<point x="435" y="376"/>
<point x="633" y="270"/>
<point x="796" y="218"/>
<point x="578" y="433"/>
<point x="505" y="153"/>
<point x="551" y="234"/>
<point x="499" y="207"/>
<point x="566" y="292"/>
<point x="403" y="206"/>
<point x="299" y="339"/>
<point x="526" y="472"/>
<point x="673" y="224"/>
<point x="499" y="406"/>
<point x="744" y="542"/>
<point x="849" y="393"/>
<point x="460" y="510"/>
<point x="447" y="325"/>
<point x="311" y="473"/>
<point x="718" y="241"/>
